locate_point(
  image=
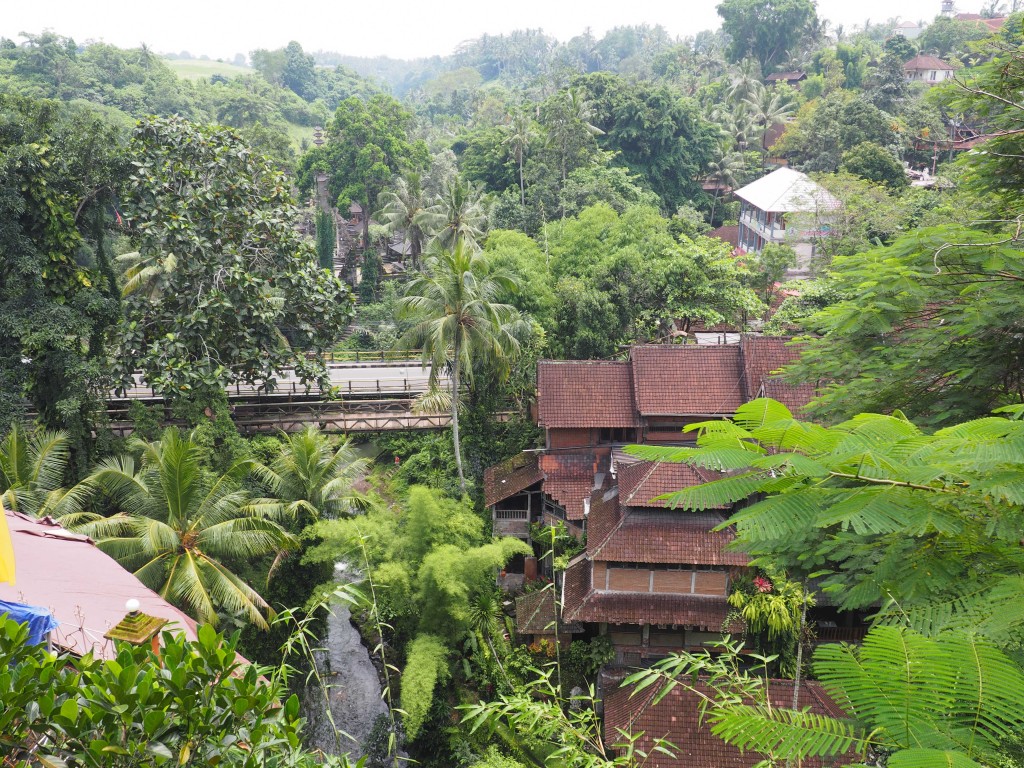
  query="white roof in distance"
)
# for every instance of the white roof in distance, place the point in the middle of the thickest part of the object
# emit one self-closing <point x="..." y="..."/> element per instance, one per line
<point x="785" y="190"/>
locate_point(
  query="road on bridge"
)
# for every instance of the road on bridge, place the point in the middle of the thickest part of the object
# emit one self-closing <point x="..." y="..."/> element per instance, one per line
<point x="403" y="377"/>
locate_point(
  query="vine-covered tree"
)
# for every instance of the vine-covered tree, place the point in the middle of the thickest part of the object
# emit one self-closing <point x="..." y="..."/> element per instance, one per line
<point x="222" y="288"/>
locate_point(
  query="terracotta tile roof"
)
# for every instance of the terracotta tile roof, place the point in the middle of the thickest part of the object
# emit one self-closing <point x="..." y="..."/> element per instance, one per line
<point x="706" y="613"/>
<point x="583" y="394"/>
<point x="568" y="479"/>
<point x="535" y="614"/>
<point x="686" y="379"/>
<point x="676" y="718"/>
<point x="925" y="62"/>
<point x="762" y="357"/>
<point x="605" y="515"/>
<point x="510" y="477"/>
<point x="662" y="536"/>
<point x="641" y="481"/>
<point x="729" y="233"/>
<point x="576" y="586"/>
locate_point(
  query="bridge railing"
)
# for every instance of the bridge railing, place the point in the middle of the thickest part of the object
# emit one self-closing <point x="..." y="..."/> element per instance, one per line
<point x="371" y="356"/>
<point x="293" y="388"/>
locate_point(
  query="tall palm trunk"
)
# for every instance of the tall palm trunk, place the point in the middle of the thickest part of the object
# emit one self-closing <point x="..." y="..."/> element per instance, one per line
<point x="522" y="186"/>
<point x="455" y="414"/>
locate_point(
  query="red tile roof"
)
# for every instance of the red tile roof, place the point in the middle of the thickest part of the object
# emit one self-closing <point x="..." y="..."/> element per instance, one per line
<point x="706" y="613"/>
<point x="605" y="515"/>
<point x="763" y="356"/>
<point x="662" y="536"/>
<point x="583" y="394"/>
<point x="676" y="718"/>
<point x="510" y="477"/>
<point x="925" y="62"/>
<point x="535" y="614"/>
<point x="641" y="481"/>
<point x="686" y="379"/>
<point x="576" y="584"/>
<point x="568" y="479"/>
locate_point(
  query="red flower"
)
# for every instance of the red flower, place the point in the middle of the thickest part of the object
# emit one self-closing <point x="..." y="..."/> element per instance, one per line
<point x="762" y="584"/>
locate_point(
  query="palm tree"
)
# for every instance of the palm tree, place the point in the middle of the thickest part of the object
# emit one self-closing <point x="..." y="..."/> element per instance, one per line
<point x="743" y="81"/>
<point x="458" y="214"/>
<point x="461" y="322"/>
<point x="568" y="119"/>
<point x="403" y="209"/>
<point x="32" y="468"/>
<point x="723" y="172"/>
<point x="178" y="523"/>
<point x="311" y="477"/>
<point x="770" y="107"/>
<point x="521" y="133"/>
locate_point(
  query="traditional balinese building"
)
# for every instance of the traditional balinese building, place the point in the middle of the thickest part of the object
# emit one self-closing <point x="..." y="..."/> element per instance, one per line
<point x="785" y="207"/>
<point x="927" y="69"/>
<point x="652" y="578"/>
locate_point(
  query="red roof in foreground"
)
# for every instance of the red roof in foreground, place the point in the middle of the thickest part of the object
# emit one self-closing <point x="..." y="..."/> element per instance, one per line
<point x="581" y="394"/>
<point x="687" y="379"/>
<point x="83" y="587"/>
<point x="676" y="718"/>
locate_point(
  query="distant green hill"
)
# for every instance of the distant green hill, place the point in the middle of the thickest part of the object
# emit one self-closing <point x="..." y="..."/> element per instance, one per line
<point x="201" y="69"/>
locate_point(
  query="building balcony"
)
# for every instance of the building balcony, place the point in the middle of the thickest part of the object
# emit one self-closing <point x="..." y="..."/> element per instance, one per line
<point x="512" y="522"/>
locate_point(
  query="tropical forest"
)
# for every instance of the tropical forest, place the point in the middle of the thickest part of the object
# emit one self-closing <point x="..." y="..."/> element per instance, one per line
<point x="631" y="400"/>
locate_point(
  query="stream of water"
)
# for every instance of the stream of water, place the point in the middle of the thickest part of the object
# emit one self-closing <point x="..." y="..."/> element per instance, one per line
<point x="353" y="687"/>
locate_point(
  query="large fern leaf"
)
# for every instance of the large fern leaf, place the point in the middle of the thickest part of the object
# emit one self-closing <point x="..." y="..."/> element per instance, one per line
<point x="784" y="733"/>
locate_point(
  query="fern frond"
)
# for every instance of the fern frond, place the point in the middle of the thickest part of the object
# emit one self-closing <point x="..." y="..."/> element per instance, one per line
<point x="716" y="494"/>
<point x="784" y="733"/>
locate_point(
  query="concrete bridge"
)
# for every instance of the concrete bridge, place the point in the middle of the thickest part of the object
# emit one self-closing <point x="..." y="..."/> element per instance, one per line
<point x="370" y="396"/>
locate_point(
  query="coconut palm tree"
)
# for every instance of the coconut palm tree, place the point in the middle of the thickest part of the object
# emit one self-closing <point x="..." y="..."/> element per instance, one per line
<point x="312" y="477"/>
<point x="178" y="524"/>
<point x="769" y="107"/>
<point x="459" y="321"/>
<point x="521" y="134"/>
<point x="403" y="209"/>
<point x="458" y="214"/>
<point x="32" y="468"/>
<point x="723" y="172"/>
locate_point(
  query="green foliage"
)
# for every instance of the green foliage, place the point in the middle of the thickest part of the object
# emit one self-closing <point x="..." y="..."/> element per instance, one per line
<point x="325" y="239"/>
<point x="875" y="163"/>
<point x="426" y="666"/>
<point x="193" y="701"/>
<point x="929" y="325"/>
<point x="655" y="133"/>
<point x="768" y="32"/>
<point x="58" y="166"/>
<point x="833" y="125"/>
<point x="229" y="292"/>
<point x="952" y="700"/>
<point x="32" y="470"/>
<point x="367" y="143"/>
<point x="460" y="322"/>
<point x="178" y="525"/>
<point x="880" y="512"/>
<point x="625" y="278"/>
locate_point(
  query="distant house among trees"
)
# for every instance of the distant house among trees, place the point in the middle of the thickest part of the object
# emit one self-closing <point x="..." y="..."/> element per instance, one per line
<point x="767" y="207"/>
<point x="909" y="29"/>
<point x="927" y="69"/>
<point x="789" y="78"/>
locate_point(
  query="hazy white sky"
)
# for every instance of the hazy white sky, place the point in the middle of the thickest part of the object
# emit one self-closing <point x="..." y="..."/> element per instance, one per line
<point x="397" y="28"/>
